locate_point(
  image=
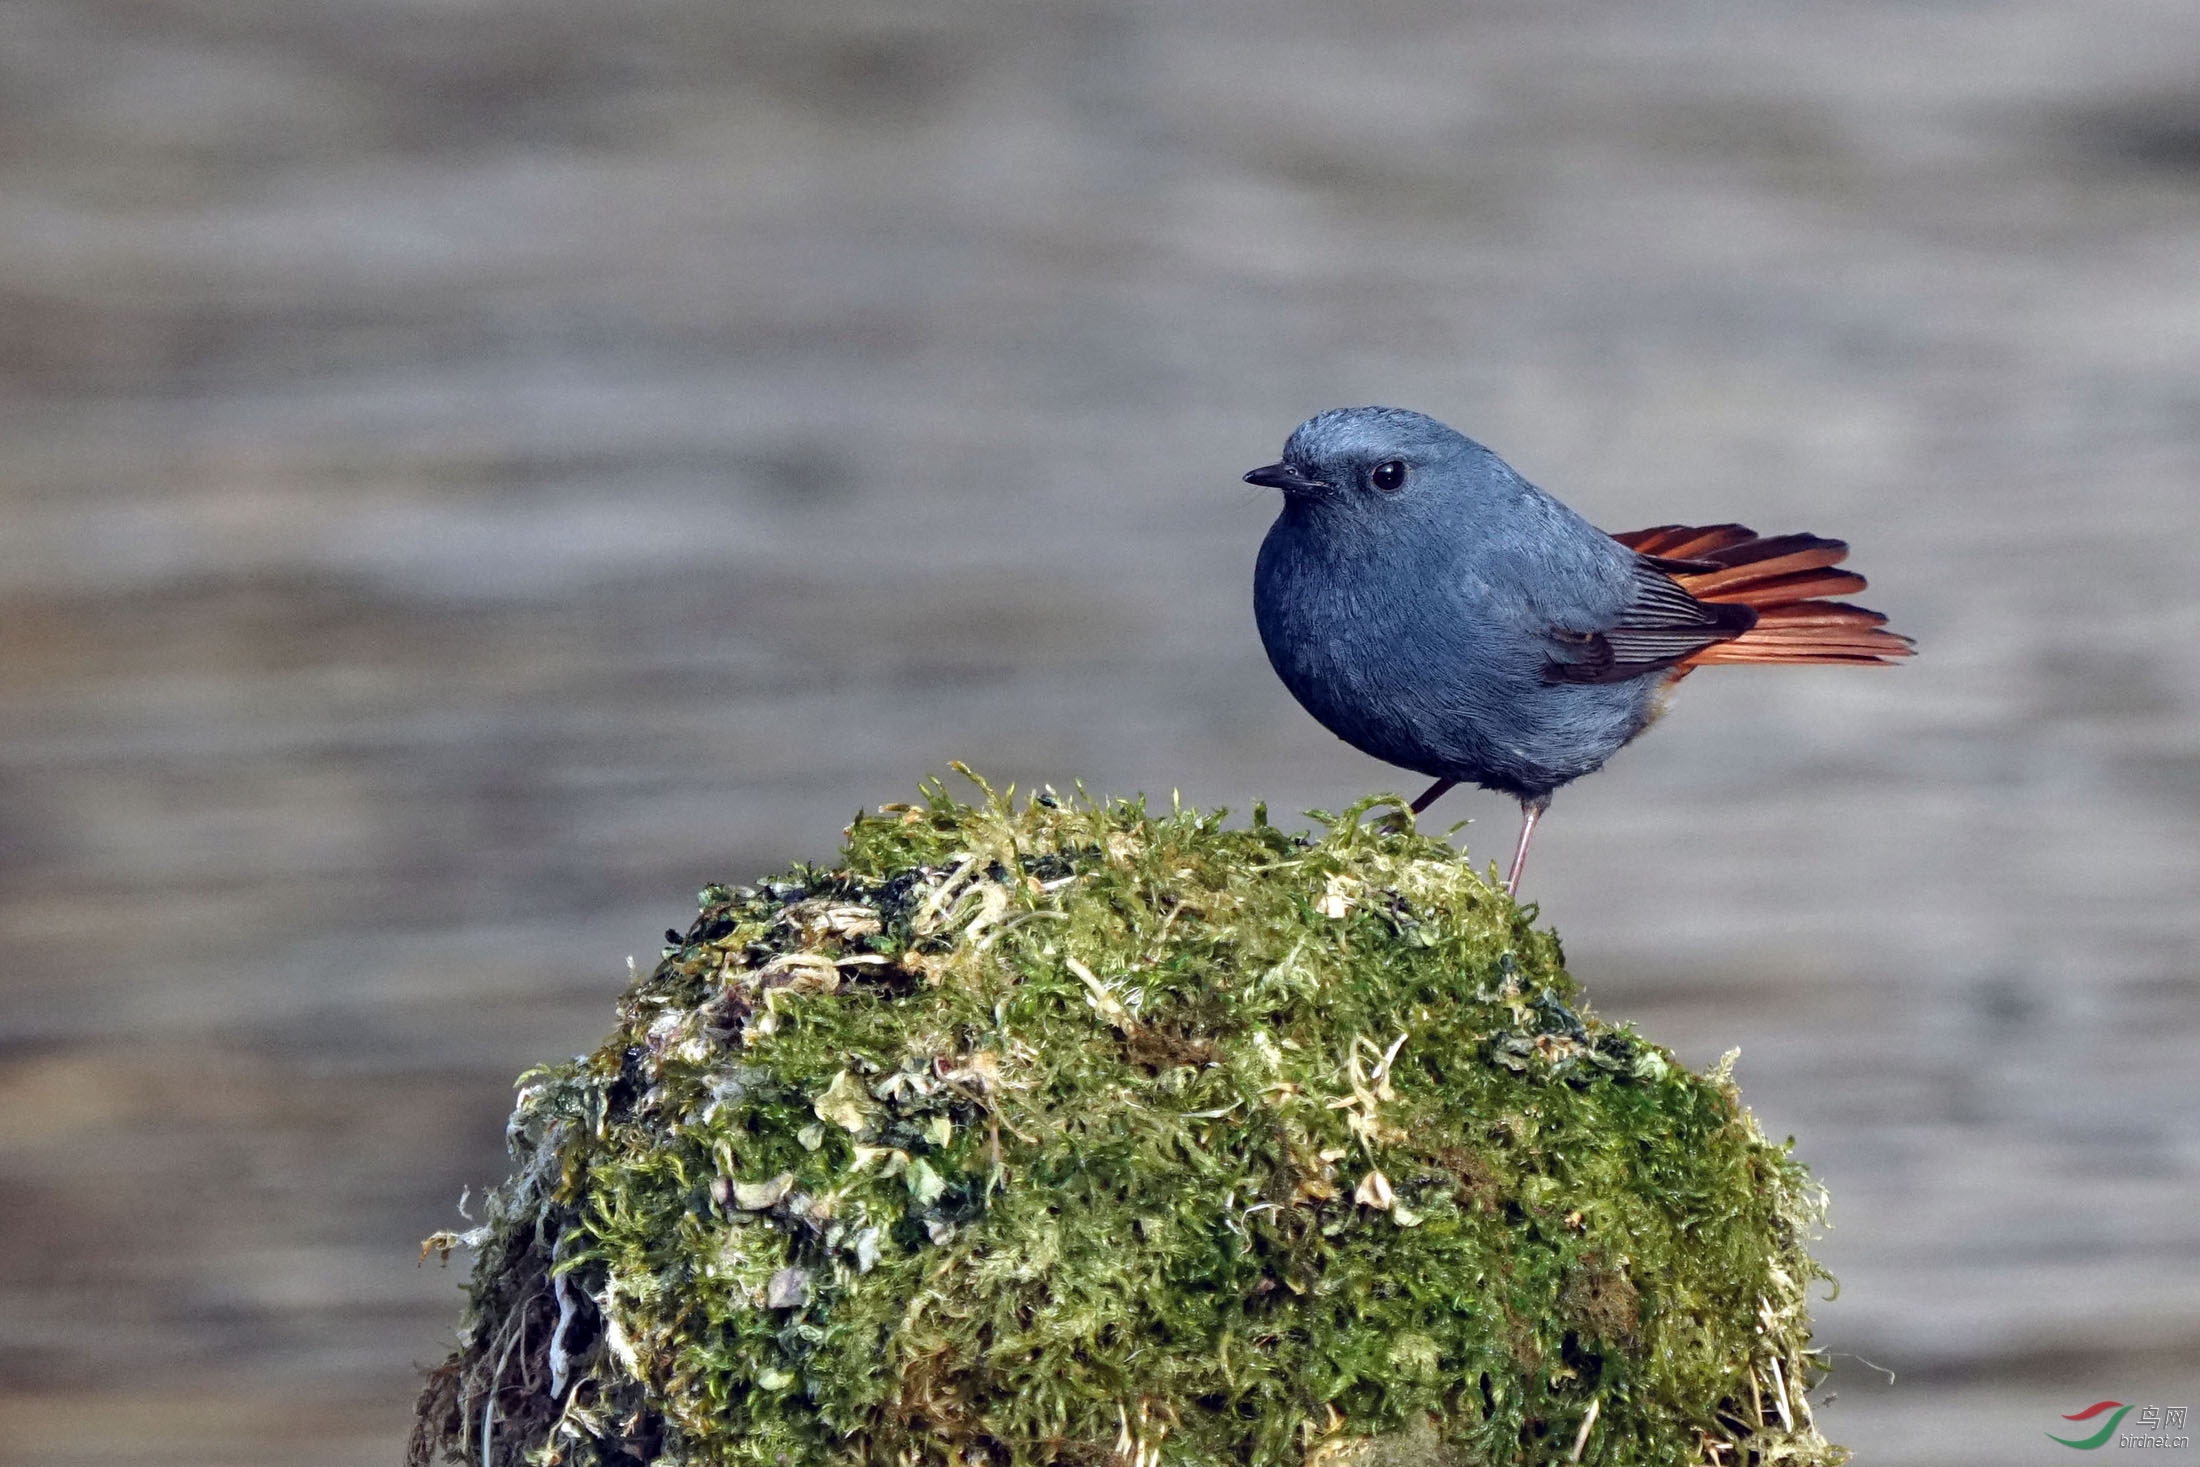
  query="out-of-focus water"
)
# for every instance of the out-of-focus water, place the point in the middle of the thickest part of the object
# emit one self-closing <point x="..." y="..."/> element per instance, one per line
<point x="471" y="473"/>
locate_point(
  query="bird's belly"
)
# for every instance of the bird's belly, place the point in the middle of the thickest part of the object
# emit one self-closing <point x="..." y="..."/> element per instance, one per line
<point x="1471" y="705"/>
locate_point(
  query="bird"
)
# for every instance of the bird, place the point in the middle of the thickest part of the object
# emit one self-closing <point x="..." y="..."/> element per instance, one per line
<point x="1431" y="607"/>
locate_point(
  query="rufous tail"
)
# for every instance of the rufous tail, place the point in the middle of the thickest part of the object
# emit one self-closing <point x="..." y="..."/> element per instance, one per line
<point x="1784" y="579"/>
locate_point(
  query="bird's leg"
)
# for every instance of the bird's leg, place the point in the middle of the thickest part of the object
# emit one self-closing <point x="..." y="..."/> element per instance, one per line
<point x="1432" y="794"/>
<point x="1530" y="812"/>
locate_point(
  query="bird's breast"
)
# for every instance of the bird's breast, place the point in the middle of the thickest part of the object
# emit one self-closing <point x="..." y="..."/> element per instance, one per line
<point x="1376" y="652"/>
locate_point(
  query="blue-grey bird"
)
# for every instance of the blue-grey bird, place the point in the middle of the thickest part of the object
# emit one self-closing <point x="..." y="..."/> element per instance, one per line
<point x="1435" y="609"/>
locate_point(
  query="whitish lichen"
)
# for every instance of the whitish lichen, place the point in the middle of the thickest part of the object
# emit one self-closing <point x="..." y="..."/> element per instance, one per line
<point x="1076" y="1133"/>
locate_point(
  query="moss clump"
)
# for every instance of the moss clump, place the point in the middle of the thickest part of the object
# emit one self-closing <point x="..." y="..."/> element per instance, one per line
<point x="1076" y="1133"/>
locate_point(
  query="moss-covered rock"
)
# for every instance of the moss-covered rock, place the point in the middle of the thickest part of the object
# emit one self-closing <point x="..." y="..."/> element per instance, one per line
<point x="1074" y="1133"/>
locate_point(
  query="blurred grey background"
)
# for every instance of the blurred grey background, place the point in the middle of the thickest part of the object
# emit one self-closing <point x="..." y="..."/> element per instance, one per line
<point x="472" y="471"/>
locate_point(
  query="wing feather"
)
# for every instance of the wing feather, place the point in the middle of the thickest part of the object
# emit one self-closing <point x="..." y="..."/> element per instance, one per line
<point x="1660" y="625"/>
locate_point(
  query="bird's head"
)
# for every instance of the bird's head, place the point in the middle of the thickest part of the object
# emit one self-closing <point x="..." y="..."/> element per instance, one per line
<point x="1375" y="468"/>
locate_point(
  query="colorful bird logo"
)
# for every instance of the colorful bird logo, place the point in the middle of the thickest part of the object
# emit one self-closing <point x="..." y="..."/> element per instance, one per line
<point x="2099" y="1438"/>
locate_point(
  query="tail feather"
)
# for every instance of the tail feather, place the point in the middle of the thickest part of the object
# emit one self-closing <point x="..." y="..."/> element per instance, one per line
<point x="1783" y="578"/>
<point x="1778" y="590"/>
<point x="1750" y="565"/>
<point x="1683" y="542"/>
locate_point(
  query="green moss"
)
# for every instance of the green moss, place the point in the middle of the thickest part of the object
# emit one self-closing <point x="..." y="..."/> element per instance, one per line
<point x="1075" y="1133"/>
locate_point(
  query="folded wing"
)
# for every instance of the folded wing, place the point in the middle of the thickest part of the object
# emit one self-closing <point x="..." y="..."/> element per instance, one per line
<point x="1661" y="626"/>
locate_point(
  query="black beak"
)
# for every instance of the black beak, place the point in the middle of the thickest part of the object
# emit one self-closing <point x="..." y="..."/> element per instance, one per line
<point x="1284" y="477"/>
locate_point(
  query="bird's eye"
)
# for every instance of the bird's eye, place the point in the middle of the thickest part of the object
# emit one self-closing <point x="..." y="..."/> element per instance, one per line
<point x="1388" y="477"/>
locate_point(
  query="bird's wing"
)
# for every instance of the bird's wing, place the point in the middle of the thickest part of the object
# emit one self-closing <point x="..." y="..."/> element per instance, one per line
<point x="1659" y="625"/>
